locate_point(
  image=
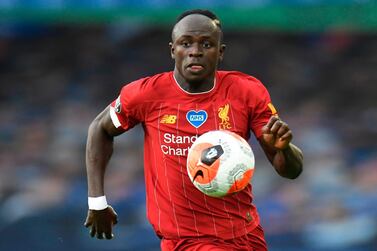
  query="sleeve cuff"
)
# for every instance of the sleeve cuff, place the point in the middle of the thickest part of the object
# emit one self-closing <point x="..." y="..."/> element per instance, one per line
<point x="114" y="117"/>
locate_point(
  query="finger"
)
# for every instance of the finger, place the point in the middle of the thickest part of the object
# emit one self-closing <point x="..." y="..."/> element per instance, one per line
<point x="86" y="224"/>
<point x="115" y="215"/>
<point x="109" y="235"/>
<point x="115" y="220"/>
<point x="271" y="121"/>
<point x="89" y="219"/>
<point x="268" y="138"/>
<point x="92" y="231"/>
<point x="282" y="143"/>
<point x="287" y="136"/>
<point x="99" y="235"/>
<point x="276" y="126"/>
<point x="282" y="130"/>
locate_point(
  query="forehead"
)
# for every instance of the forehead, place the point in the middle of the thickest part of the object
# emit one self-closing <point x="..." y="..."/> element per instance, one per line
<point x="195" y="25"/>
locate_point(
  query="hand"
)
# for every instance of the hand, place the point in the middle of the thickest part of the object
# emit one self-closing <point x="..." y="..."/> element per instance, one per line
<point x="276" y="133"/>
<point x="101" y="222"/>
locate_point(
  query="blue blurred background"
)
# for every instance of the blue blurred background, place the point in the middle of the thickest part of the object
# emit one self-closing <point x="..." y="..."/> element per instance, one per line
<point x="62" y="62"/>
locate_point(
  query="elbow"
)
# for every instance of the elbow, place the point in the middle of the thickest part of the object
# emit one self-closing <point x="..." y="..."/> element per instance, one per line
<point x="296" y="174"/>
<point x="289" y="164"/>
<point x="292" y="172"/>
<point x="96" y="126"/>
<point x="296" y="166"/>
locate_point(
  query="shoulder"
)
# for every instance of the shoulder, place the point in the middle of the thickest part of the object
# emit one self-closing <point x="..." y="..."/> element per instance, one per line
<point x="242" y="81"/>
<point x="147" y="87"/>
<point x="146" y="83"/>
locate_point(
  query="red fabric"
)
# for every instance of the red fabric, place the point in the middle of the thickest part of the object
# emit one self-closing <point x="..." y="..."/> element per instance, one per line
<point x="253" y="241"/>
<point x="175" y="208"/>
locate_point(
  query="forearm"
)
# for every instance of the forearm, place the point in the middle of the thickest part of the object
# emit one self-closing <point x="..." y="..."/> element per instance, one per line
<point x="99" y="149"/>
<point x="288" y="162"/>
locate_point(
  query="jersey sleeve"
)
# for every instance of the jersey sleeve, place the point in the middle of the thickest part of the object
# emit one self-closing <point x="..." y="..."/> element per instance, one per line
<point x="261" y="109"/>
<point x="127" y="110"/>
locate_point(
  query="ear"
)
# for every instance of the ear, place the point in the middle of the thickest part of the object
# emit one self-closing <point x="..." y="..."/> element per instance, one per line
<point x="222" y="50"/>
<point x="171" y="50"/>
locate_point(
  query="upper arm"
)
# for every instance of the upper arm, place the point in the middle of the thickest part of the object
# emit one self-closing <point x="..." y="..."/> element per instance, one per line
<point x="104" y="122"/>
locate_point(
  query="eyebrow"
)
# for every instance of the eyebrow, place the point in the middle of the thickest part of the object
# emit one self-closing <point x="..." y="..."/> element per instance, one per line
<point x="189" y="36"/>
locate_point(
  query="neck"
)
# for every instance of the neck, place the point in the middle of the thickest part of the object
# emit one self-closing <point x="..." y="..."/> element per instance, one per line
<point x="203" y="85"/>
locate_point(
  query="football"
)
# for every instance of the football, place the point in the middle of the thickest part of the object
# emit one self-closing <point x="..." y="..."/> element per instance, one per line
<point x="220" y="163"/>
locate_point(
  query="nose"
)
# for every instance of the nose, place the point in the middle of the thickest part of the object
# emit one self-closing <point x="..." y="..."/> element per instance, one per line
<point x="196" y="50"/>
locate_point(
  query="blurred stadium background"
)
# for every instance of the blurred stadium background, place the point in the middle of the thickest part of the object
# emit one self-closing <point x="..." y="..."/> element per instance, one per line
<point x="63" y="61"/>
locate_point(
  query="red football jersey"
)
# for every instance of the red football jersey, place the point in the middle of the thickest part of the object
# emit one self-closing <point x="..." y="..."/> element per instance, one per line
<point x="172" y="119"/>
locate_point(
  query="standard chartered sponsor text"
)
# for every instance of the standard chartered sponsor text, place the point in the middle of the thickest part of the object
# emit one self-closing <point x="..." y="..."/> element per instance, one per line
<point x="172" y="144"/>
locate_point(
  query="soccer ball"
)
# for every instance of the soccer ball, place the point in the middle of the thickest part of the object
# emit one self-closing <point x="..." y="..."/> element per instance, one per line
<point x="220" y="163"/>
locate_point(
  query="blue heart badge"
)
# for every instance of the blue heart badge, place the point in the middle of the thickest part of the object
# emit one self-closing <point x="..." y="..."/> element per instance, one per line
<point x="196" y="118"/>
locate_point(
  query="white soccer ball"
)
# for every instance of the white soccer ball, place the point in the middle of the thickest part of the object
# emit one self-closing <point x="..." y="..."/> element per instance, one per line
<point x="220" y="163"/>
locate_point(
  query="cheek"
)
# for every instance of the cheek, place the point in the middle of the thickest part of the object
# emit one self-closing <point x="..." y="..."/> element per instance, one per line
<point x="179" y="56"/>
<point x="179" y="61"/>
<point x="214" y="58"/>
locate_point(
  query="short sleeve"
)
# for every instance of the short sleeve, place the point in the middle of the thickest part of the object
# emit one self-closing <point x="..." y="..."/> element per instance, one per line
<point x="126" y="111"/>
<point x="261" y="109"/>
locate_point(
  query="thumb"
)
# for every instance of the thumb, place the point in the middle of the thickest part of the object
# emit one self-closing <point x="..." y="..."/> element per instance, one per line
<point x="115" y="220"/>
<point x="88" y="221"/>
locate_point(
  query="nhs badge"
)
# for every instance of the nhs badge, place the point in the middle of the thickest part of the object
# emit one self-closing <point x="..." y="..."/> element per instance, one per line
<point x="196" y="118"/>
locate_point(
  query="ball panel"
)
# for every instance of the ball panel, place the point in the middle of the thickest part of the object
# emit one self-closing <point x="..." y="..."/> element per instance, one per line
<point x="211" y="189"/>
<point x="198" y="171"/>
<point x="226" y="173"/>
<point x="234" y="135"/>
<point x="241" y="182"/>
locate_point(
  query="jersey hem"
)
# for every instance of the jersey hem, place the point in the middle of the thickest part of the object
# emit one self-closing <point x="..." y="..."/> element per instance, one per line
<point x="222" y="235"/>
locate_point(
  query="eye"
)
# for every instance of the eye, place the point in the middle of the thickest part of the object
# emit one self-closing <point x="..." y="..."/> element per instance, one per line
<point x="185" y="44"/>
<point x="207" y="44"/>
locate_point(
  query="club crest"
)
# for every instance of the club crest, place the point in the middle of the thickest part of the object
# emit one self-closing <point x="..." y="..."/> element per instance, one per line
<point x="118" y="105"/>
<point x="223" y="113"/>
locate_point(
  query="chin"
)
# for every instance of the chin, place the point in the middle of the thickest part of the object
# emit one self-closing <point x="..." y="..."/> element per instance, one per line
<point x="194" y="80"/>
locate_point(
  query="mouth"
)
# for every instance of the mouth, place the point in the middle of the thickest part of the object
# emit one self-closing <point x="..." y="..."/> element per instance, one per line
<point x="195" y="67"/>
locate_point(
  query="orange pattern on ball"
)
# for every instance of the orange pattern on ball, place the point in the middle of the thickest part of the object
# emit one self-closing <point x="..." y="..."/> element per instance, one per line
<point x="240" y="184"/>
<point x="195" y="165"/>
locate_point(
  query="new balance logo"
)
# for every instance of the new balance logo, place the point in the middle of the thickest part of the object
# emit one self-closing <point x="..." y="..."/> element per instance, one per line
<point x="168" y="119"/>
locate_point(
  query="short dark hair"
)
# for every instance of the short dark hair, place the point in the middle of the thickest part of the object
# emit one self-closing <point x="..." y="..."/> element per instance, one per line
<point x="206" y="13"/>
